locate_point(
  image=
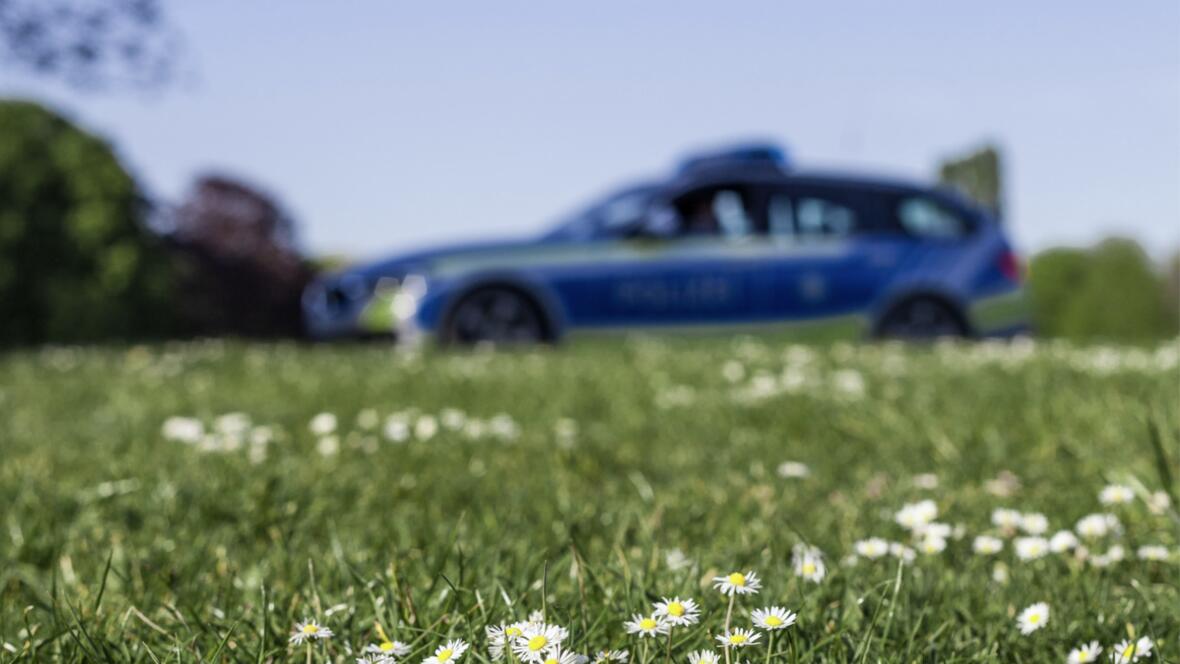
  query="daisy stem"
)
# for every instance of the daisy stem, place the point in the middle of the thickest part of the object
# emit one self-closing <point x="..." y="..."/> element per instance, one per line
<point x="668" y="652"/>
<point x="728" y="615"/>
<point x="643" y="659"/>
<point x="309" y="652"/>
<point x="769" y="645"/>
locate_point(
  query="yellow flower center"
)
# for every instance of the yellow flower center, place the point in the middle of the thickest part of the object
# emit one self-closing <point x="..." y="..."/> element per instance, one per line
<point x="737" y="579"/>
<point x="675" y="609"/>
<point x="551" y="660"/>
<point x="647" y="624"/>
<point x="773" y="621"/>
<point x="311" y="629"/>
<point x="809" y="568"/>
<point x="1034" y="618"/>
<point x="445" y="654"/>
<point x="386" y="647"/>
<point x="513" y="631"/>
<point x="538" y="642"/>
<point x="737" y="639"/>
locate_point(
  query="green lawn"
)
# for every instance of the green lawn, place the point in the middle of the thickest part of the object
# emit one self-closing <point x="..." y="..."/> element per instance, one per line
<point x="585" y="482"/>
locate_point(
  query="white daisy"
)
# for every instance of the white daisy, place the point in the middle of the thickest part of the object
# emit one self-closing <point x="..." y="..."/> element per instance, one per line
<point x="1034" y="523"/>
<point x="738" y="638"/>
<point x="1093" y="526"/>
<point x="702" y="657"/>
<point x="536" y="638"/>
<point x="1116" y="494"/>
<point x="1158" y="502"/>
<point x="810" y="566"/>
<point x="1062" y="541"/>
<point x="932" y="545"/>
<point x="792" y="470"/>
<point x="902" y="552"/>
<point x="872" y="548"/>
<point x="773" y="618"/>
<point x="737" y="583"/>
<point x="449" y="652"/>
<point x="646" y="625"/>
<point x="1153" y="552"/>
<point x="322" y="424"/>
<point x="987" y="545"/>
<point x="373" y="658"/>
<point x="1087" y="652"/>
<point x="1131" y="651"/>
<point x="678" y="612"/>
<point x="500" y="637"/>
<point x="556" y="655"/>
<point x="609" y="656"/>
<point x="1033" y="618"/>
<point x="1030" y="548"/>
<point x="389" y="649"/>
<point x="309" y="630"/>
<point x="1006" y="519"/>
<point x="916" y="515"/>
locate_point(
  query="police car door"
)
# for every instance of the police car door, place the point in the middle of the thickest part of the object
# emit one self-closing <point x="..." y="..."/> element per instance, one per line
<point x="826" y="265"/>
<point x="694" y="267"/>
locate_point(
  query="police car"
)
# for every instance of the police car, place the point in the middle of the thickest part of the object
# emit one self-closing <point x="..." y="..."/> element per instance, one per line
<point x="731" y="239"/>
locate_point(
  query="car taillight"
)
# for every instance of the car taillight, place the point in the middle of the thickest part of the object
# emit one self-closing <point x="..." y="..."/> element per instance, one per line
<point x="1009" y="265"/>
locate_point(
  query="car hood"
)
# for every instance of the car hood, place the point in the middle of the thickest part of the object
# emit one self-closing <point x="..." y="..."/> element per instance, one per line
<point x="399" y="264"/>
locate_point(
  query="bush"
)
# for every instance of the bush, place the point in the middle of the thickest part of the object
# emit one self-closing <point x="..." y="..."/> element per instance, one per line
<point x="76" y="262"/>
<point x="1109" y="292"/>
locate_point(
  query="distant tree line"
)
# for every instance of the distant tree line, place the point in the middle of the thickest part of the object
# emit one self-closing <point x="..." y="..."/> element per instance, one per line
<point x="84" y="256"/>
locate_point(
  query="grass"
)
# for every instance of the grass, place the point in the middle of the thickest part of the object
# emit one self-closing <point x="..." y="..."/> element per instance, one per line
<point x="117" y="544"/>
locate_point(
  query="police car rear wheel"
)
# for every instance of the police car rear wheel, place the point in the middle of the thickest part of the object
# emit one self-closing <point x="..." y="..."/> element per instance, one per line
<point x="922" y="318"/>
<point x="495" y="315"/>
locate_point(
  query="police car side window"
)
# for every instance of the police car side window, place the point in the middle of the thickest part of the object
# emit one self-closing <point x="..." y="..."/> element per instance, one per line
<point x="807" y="215"/>
<point x="922" y="217"/>
<point x="721" y="212"/>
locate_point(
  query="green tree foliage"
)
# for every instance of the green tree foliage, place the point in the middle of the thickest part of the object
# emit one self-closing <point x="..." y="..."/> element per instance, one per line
<point x="978" y="175"/>
<point x="76" y="262"/>
<point x="1111" y="291"/>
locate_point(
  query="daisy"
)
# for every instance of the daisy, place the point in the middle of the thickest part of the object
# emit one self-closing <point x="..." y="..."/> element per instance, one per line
<point x="931" y="545"/>
<point x="871" y="548"/>
<point x="702" y="657"/>
<point x="987" y="545"/>
<point x="536" y="638"/>
<point x="737" y="583"/>
<point x="500" y="636"/>
<point x="1158" y="502"/>
<point x="915" y="515"/>
<point x="810" y="565"/>
<point x="1006" y="519"/>
<point x="1033" y="618"/>
<point x="774" y="617"/>
<point x="371" y="658"/>
<point x="1116" y="494"/>
<point x="608" y="656"/>
<point x="309" y="630"/>
<point x="738" y="638"/>
<point x="1087" y="652"/>
<point x="322" y="424"/>
<point x="792" y="470"/>
<point x="1062" y="541"/>
<point x="934" y="529"/>
<point x="556" y="655"/>
<point x="903" y="552"/>
<point x="1131" y="651"/>
<point x="677" y="612"/>
<point x="1030" y="548"/>
<point x="1034" y="523"/>
<point x="388" y="649"/>
<point x="450" y="652"/>
<point x="646" y="625"/>
<point x="1093" y="526"/>
<point x="1153" y="552"/>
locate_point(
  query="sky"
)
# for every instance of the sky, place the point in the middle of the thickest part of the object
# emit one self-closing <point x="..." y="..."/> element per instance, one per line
<point x="390" y="125"/>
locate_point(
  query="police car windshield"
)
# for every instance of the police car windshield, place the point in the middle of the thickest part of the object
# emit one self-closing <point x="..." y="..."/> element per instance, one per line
<point x="607" y="217"/>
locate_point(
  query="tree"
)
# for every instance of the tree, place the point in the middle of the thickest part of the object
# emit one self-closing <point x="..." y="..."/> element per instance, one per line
<point x="76" y="262"/>
<point x="977" y="175"/>
<point x="90" y="43"/>
<point x="242" y="274"/>
<point x="1109" y="292"/>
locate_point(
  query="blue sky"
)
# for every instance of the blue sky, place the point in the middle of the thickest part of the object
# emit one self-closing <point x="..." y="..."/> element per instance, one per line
<point x="388" y="124"/>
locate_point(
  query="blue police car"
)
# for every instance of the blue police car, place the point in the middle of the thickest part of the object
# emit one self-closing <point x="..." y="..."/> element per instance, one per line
<point x="735" y="238"/>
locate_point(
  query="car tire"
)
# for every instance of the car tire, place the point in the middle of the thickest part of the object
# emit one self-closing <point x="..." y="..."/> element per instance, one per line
<point x="921" y="319"/>
<point x="498" y="316"/>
